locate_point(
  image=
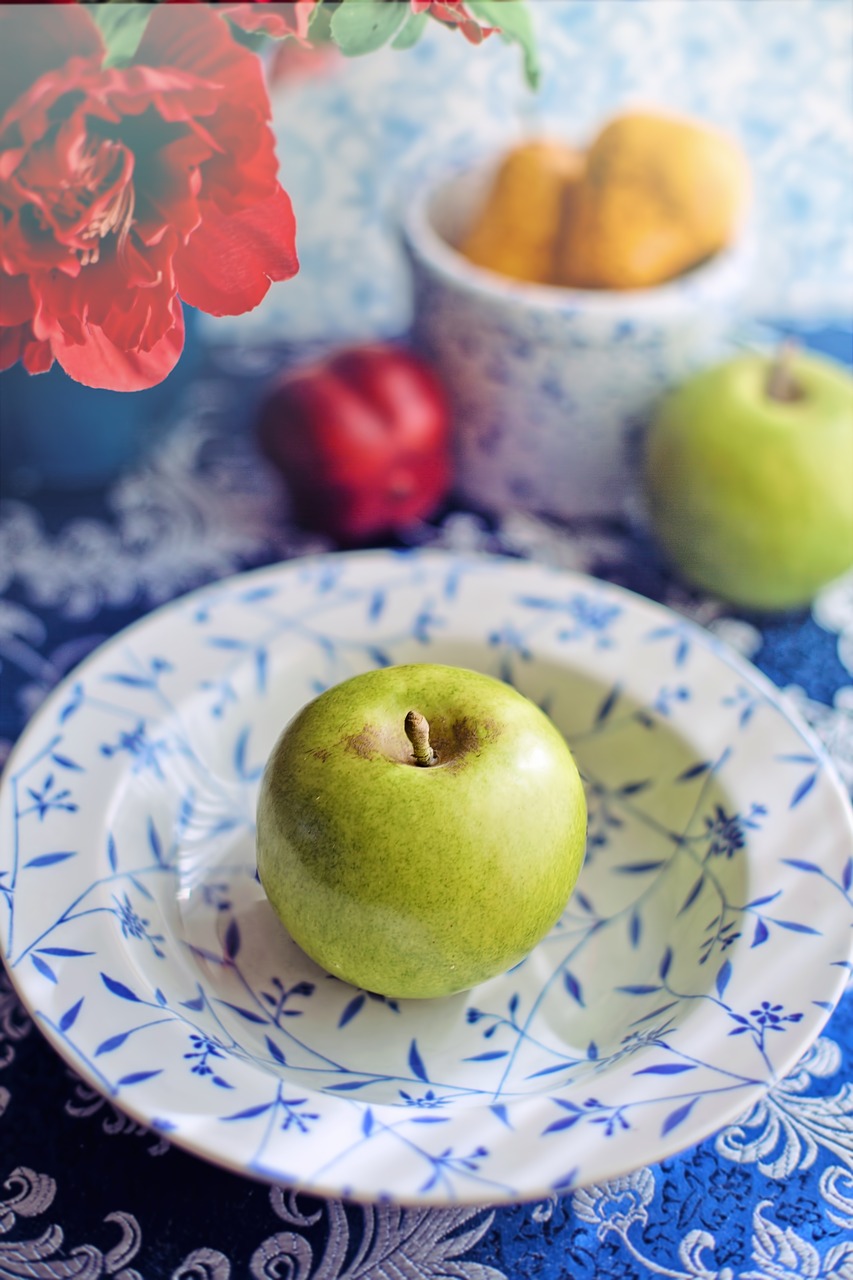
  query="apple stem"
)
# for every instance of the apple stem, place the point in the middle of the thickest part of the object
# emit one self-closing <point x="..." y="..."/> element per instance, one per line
<point x="417" y="731"/>
<point x="780" y="384"/>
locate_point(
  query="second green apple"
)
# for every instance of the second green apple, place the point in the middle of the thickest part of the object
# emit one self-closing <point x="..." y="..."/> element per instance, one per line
<point x="749" y="478"/>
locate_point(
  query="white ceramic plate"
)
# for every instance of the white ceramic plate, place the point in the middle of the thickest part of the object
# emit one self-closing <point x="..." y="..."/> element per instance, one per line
<point x="702" y="952"/>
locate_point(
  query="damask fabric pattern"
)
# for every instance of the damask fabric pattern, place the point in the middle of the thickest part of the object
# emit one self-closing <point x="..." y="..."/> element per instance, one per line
<point x="86" y="1192"/>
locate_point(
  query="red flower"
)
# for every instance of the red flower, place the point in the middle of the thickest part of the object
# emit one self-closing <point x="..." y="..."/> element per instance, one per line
<point x="126" y="189"/>
<point x="267" y="17"/>
<point x="275" y="20"/>
<point x="454" y="14"/>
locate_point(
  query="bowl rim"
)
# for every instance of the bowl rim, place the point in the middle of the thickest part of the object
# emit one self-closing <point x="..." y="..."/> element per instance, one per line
<point x="721" y="276"/>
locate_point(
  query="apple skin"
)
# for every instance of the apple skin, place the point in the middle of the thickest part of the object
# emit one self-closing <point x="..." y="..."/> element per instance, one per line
<point x="416" y="881"/>
<point x="752" y="497"/>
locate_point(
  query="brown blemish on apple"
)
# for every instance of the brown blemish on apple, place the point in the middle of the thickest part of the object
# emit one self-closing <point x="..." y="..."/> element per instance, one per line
<point x="453" y="739"/>
<point x="366" y="744"/>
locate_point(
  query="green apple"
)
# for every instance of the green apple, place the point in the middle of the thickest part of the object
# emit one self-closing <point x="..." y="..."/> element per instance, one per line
<point x="749" y="478"/>
<point x="420" y="828"/>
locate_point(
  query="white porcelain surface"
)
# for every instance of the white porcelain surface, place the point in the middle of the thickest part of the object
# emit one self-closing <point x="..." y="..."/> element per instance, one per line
<point x="701" y="954"/>
<point x="549" y="385"/>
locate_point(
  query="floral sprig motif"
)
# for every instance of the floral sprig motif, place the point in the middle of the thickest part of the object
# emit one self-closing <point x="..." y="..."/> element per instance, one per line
<point x="767" y="1017"/>
<point x="133" y="925"/>
<point x="48" y="798"/>
<point x="727" y="832"/>
<point x="203" y="1050"/>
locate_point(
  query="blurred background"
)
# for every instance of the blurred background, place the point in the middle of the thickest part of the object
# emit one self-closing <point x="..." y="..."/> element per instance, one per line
<point x="355" y="137"/>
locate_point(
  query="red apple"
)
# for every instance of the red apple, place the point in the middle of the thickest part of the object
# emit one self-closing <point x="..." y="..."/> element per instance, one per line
<point x="362" y="440"/>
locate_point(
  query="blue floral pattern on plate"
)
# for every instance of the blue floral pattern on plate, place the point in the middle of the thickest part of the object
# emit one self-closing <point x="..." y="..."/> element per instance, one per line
<point x="706" y="944"/>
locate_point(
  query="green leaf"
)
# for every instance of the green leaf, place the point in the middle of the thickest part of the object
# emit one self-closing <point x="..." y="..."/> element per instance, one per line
<point x="320" y="23"/>
<point x="412" y="31"/>
<point x="362" y="26"/>
<point x="122" y="26"/>
<point x="513" y="18"/>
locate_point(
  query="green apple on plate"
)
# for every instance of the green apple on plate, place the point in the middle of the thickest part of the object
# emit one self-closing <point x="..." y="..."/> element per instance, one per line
<point x="749" y="478"/>
<point x="420" y="828"/>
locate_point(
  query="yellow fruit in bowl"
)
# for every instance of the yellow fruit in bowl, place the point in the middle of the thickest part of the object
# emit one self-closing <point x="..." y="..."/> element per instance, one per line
<point x="521" y="221"/>
<point x="659" y="195"/>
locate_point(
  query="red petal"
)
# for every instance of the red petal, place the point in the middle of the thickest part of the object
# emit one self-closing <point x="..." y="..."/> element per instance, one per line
<point x="97" y="362"/>
<point x="12" y="344"/>
<point x="228" y="265"/>
<point x="292" y="61"/>
<point x="53" y="96"/>
<point x="187" y="39"/>
<point x="143" y="314"/>
<point x="193" y="38"/>
<point x="176" y="95"/>
<point x="128" y="297"/>
<point x="169" y="196"/>
<point x="16" y="301"/>
<point x="17" y="343"/>
<point x="276" y="20"/>
<point x="35" y="40"/>
<point x="37" y="356"/>
<point x="454" y="14"/>
<point x="245" y="171"/>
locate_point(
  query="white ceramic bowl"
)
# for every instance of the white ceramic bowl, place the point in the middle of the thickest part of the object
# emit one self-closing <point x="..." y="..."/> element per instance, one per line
<point x="549" y="384"/>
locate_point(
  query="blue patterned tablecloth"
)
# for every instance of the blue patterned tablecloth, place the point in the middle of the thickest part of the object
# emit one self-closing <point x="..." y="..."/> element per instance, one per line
<point x="85" y="1192"/>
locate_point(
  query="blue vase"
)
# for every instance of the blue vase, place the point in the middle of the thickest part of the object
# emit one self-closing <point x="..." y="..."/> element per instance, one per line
<point x="57" y="434"/>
